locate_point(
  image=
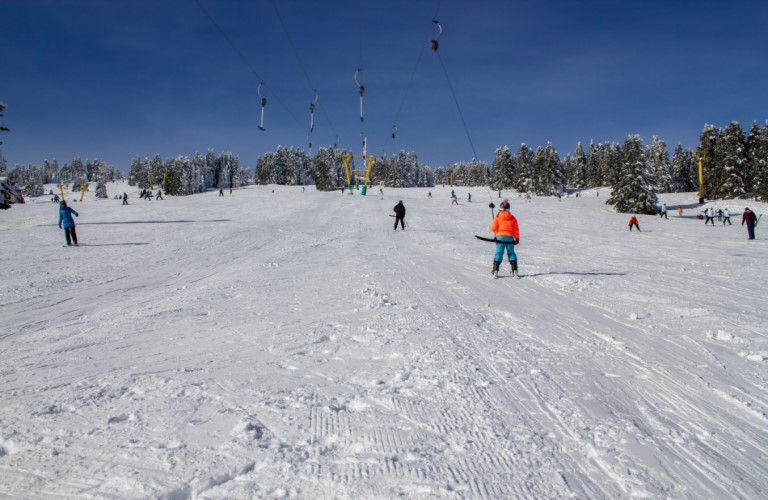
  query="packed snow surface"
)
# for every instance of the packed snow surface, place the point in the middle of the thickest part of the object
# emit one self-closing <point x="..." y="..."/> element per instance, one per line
<point x="280" y="343"/>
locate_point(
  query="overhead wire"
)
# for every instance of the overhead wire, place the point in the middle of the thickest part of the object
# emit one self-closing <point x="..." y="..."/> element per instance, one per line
<point x="413" y="73"/>
<point x="360" y="87"/>
<point x="302" y="65"/>
<point x="303" y="68"/>
<point x="458" y="108"/>
<point x="242" y="56"/>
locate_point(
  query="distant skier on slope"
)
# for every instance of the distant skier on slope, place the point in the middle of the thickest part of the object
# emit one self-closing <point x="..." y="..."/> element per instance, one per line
<point x="634" y="222"/>
<point x="399" y="215"/>
<point x="710" y="214"/>
<point x="68" y="223"/>
<point x="507" y="232"/>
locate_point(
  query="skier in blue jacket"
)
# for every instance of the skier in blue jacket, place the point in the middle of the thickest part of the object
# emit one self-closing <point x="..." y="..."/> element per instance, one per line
<point x="66" y="220"/>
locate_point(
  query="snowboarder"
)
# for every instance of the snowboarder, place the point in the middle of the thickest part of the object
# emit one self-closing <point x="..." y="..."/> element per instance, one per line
<point x="159" y="195"/>
<point x="663" y="212"/>
<point x="68" y="223"/>
<point x="505" y="227"/>
<point x="400" y="215"/>
<point x="125" y="199"/>
<point x="748" y="217"/>
<point x="634" y="222"/>
<point x="727" y="217"/>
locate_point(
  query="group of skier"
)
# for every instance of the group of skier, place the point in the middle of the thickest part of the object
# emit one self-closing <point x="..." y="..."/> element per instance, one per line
<point x="748" y="218"/>
<point x="147" y="195"/>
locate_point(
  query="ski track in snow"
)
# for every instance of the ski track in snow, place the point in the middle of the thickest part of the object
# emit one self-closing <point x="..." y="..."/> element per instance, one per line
<point x="291" y="344"/>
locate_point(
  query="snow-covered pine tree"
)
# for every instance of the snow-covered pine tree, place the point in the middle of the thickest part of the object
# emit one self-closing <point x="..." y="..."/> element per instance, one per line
<point x="441" y="175"/>
<point x="135" y="175"/>
<point x="578" y="177"/>
<point x="398" y="171"/>
<point x="732" y="154"/>
<point x="323" y="171"/>
<point x="101" y="188"/>
<point x="477" y="173"/>
<point x="502" y="170"/>
<point x="707" y="152"/>
<point x="548" y="174"/>
<point x="380" y="170"/>
<point x="758" y="160"/>
<point x="658" y="159"/>
<point x="155" y="172"/>
<point x="524" y="170"/>
<point x="245" y="177"/>
<point x="594" y="176"/>
<point x="557" y="180"/>
<point x="174" y="183"/>
<point x="634" y="193"/>
<point x="682" y="169"/>
<point x="264" y="166"/>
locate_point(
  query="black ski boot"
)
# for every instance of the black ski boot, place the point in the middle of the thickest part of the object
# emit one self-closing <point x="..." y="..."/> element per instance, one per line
<point x="513" y="268"/>
<point x="495" y="271"/>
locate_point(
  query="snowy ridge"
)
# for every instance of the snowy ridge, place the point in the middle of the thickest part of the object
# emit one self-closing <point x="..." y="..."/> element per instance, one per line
<point x="292" y="344"/>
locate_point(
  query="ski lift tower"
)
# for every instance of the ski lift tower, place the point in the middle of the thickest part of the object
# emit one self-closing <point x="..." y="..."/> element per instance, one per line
<point x="355" y="176"/>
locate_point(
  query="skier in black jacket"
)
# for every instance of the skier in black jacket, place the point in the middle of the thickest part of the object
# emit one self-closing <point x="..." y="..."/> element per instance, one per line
<point x="400" y="215"/>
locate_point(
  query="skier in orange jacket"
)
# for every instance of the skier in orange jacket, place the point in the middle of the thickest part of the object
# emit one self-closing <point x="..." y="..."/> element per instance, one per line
<point x="507" y="232"/>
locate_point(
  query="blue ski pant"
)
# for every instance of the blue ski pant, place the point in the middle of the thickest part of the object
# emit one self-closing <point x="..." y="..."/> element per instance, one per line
<point x="504" y="243"/>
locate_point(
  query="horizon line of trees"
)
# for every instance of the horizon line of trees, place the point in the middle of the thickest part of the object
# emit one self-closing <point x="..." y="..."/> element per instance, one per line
<point x="734" y="165"/>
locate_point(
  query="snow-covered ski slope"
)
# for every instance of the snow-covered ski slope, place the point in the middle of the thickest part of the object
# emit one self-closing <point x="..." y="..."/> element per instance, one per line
<point x="291" y="344"/>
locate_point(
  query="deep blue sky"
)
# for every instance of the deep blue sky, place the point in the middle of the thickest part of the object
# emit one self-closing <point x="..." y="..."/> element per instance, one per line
<point x="113" y="79"/>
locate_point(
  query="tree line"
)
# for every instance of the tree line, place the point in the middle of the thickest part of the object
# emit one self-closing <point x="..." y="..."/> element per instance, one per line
<point x="734" y="165"/>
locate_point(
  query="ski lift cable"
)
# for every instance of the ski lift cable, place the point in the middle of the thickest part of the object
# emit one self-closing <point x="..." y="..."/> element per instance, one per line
<point x="458" y="107"/>
<point x="461" y="115"/>
<point x="242" y="56"/>
<point x="418" y="63"/>
<point x="303" y="68"/>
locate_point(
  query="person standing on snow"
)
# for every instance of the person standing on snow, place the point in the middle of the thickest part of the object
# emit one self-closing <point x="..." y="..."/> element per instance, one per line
<point x="66" y="220"/>
<point x="634" y="222"/>
<point x="507" y="232"/>
<point x="400" y="215"/>
<point x="125" y="199"/>
<point x="710" y="213"/>
<point x="663" y="212"/>
<point x="748" y="217"/>
<point x="727" y="217"/>
<point x="159" y="195"/>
